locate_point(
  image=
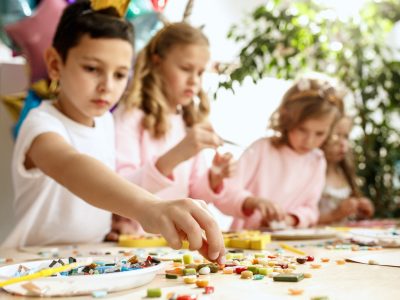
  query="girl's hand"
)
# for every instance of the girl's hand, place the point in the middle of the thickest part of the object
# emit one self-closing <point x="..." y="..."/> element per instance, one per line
<point x="182" y="219"/>
<point x="199" y="137"/>
<point x="347" y="208"/>
<point x="291" y="220"/>
<point x="223" y="166"/>
<point x="120" y="225"/>
<point x="269" y="210"/>
<point x="365" y="208"/>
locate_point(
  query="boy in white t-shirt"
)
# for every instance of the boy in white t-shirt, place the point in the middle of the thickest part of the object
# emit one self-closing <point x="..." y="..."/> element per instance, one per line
<point x="63" y="164"/>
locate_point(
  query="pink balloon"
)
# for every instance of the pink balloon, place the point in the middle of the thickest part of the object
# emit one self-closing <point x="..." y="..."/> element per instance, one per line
<point x="34" y="34"/>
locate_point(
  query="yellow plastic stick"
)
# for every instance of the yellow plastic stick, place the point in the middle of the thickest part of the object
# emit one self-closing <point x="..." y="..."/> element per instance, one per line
<point x="42" y="273"/>
<point x="292" y="249"/>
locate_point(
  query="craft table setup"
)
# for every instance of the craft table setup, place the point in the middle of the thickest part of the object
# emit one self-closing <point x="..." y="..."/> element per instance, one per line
<point x="329" y="273"/>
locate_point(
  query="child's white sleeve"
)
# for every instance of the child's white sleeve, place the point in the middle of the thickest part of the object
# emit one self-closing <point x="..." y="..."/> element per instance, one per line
<point x="34" y="125"/>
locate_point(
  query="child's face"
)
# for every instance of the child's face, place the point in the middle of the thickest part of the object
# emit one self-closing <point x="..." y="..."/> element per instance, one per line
<point x="94" y="77"/>
<point x="338" y="144"/>
<point x="310" y="134"/>
<point x="182" y="70"/>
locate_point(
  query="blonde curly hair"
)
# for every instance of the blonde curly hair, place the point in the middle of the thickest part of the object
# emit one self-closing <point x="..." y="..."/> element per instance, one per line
<point x="146" y="90"/>
<point x="307" y="98"/>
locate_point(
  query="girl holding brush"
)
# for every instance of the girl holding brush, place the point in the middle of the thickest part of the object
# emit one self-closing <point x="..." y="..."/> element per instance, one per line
<point x="161" y="124"/>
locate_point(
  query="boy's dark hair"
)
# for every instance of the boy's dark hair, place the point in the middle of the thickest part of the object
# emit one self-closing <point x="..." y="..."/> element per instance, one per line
<point x="79" y="19"/>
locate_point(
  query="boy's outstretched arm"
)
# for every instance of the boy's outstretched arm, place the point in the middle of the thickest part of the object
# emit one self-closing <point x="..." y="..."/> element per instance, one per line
<point x="100" y="186"/>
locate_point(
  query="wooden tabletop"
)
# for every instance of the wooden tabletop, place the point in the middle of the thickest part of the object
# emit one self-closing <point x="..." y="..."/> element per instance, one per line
<point x="348" y="281"/>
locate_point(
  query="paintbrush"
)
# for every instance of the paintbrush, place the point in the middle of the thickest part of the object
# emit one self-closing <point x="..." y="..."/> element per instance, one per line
<point x="230" y="143"/>
<point x="45" y="272"/>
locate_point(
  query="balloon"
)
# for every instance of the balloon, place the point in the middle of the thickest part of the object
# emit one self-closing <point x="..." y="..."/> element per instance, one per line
<point x="138" y="8"/>
<point x="14" y="104"/>
<point x="31" y="101"/>
<point x="34" y="34"/>
<point x="159" y="5"/>
<point x="145" y="27"/>
<point x="38" y="91"/>
<point x="12" y="11"/>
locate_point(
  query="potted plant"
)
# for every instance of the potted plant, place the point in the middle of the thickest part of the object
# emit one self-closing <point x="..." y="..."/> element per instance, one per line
<point x="284" y="38"/>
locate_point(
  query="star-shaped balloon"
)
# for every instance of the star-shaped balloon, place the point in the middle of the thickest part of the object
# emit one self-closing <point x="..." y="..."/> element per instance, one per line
<point x="34" y="34"/>
<point x="12" y="11"/>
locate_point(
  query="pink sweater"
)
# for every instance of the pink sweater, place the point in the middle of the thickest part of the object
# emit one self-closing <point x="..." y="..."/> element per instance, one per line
<point x="138" y="151"/>
<point x="292" y="180"/>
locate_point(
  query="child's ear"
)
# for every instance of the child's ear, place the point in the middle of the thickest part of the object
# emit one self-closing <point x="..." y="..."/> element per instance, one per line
<point x="53" y="63"/>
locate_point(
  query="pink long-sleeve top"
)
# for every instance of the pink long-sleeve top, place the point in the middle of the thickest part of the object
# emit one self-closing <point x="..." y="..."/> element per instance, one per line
<point x="294" y="181"/>
<point x="137" y="153"/>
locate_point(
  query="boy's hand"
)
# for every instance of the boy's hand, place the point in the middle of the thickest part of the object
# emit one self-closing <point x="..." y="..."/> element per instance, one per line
<point x="223" y="166"/>
<point x="188" y="219"/>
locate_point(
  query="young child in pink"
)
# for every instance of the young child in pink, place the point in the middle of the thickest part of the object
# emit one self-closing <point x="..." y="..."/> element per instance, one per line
<point x="281" y="178"/>
<point x="161" y="126"/>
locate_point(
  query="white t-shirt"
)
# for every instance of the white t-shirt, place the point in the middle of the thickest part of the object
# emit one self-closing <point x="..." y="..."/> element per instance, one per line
<point x="46" y="212"/>
<point x="332" y="197"/>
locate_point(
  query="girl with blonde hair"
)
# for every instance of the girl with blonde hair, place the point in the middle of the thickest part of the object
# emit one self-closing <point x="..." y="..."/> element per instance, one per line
<point x="161" y="124"/>
<point x="280" y="178"/>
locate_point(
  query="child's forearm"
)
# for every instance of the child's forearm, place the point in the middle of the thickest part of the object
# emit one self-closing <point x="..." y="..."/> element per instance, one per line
<point x="87" y="177"/>
<point x="168" y="162"/>
<point x="106" y="189"/>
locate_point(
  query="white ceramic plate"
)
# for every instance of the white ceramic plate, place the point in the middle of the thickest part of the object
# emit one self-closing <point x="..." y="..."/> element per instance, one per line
<point x="80" y="285"/>
<point x="303" y="234"/>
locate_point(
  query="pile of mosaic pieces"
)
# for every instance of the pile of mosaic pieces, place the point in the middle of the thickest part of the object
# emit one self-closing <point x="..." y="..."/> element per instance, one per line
<point x="94" y="268"/>
<point x="259" y="266"/>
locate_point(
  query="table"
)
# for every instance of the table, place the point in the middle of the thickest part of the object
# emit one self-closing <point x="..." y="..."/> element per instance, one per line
<point x="348" y="281"/>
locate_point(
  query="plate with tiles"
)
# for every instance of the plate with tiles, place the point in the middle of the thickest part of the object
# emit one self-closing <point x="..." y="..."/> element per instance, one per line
<point x="389" y="238"/>
<point x="303" y="234"/>
<point x="74" y="285"/>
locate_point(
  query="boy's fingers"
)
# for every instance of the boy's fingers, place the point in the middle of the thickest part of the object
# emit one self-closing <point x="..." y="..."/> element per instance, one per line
<point x="204" y="251"/>
<point x="212" y="231"/>
<point x="214" y="242"/>
<point x="192" y="230"/>
<point x="168" y="230"/>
